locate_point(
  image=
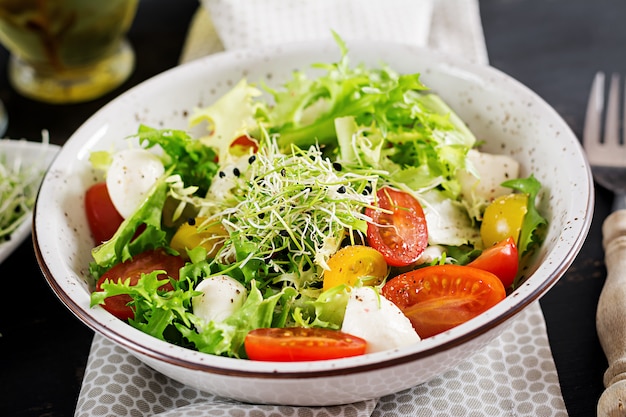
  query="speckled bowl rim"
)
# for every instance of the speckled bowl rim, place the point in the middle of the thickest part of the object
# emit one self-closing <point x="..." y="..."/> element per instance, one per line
<point x="136" y="341"/>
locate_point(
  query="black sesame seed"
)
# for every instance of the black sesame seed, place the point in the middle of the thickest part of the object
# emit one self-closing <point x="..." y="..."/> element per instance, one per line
<point x="236" y="172"/>
<point x="368" y="189"/>
<point x="261" y="215"/>
<point x="283" y="172"/>
<point x="222" y="174"/>
<point x="341" y="190"/>
<point x="337" y="166"/>
<point x="191" y="221"/>
<point x="252" y="159"/>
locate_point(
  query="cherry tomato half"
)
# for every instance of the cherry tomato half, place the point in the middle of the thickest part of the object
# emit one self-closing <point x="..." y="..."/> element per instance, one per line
<point x="102" y="216"/>
<point x="353" y="263"/>
<point x="500" y="259"/>
<point x="193" y="233"/>
<point x="301" y="344"/>
<point x="438" y="298"/>
<point x="401" y="236"/>
<point x="243" y="143"/>
<point x="504" y="218"/>
<point x="144" y="263"/>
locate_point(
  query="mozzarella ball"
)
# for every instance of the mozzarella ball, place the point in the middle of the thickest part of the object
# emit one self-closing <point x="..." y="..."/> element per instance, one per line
<point x="380" y="322"/>
<point x="492" y="170"/>
<point x="129" y="178"/>
<point x="221" y="297"/>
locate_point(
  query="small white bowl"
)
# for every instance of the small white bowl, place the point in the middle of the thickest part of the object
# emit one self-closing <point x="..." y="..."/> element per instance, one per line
<point x="34" y="156"/>
<point x="510" y="117"/>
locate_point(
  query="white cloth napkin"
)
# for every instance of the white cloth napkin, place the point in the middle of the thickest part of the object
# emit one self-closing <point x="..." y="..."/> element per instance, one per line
<point x="450" y="26"/>
<point x="513" y="376"/>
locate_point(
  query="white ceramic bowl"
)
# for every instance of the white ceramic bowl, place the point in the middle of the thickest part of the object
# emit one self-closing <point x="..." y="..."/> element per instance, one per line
<point x="32" y="158"/>
<point x="497" y="108"/>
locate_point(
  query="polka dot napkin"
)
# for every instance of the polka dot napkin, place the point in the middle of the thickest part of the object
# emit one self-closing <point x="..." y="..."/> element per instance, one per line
<point x="514" y="376"/>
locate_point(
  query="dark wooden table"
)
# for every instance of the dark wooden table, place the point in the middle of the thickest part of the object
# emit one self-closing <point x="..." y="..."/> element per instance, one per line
<point x="552" y="46"/>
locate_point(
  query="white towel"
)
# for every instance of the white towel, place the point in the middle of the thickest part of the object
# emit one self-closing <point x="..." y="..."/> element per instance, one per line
<point x="449" y="26"/>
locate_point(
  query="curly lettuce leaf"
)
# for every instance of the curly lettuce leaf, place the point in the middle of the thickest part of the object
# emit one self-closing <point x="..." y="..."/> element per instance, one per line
<point x="377" y="119"/>
<point x="193" y="160"/>
<point x="326" y="311"/>
<point x="124" y="245"/>
<point x="156" y="311"/>
<point x="534" y="225"/>
<point x="227" y="337"/>
<point x="228" y="118"/>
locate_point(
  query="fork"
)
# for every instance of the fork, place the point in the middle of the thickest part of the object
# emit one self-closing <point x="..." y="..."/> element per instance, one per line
<point x="606" y="153"/>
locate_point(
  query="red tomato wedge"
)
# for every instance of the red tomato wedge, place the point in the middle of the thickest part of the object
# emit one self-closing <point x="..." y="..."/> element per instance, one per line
<point x="301" y="344"/>
<point x="500" y="259"/>
<point x="102" y="216"/>
<point x="144" y="263"/>
<point x="398" y="231"/>
<point x="243" y="143"/>
<point x="438" y="298"/>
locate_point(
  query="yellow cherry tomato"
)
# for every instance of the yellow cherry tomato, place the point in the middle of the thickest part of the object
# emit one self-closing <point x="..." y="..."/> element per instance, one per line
<point x="194" y="233"/>
<point x="503" y="218"/>
<point x="354" y="263"/>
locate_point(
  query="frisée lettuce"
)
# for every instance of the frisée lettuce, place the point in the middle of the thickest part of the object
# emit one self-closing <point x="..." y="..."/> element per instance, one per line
<point x="315" y="153"/>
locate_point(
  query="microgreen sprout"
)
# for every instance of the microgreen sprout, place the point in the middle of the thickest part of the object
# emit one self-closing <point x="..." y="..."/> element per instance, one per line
<point x="297" y="204"/>
<point x="18" y="188"/>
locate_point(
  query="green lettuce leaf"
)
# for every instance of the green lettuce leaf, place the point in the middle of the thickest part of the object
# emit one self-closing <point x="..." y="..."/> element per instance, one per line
<point x="124" y="245"/>
<point x="230" y="117"/>
<point x="227" y="337"/>
<point x="377" y="118"/>
<point x="194" y="161"/>
<point x="534" y="224"/>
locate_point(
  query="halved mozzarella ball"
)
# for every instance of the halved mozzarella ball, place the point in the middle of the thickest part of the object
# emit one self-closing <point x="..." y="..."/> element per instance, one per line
<point x="492" y="170"/>
<point x="380" y="322"/>
<point x="431" y="253"/>
<point x="221" y="297"/>
<point x="130" y="176"/>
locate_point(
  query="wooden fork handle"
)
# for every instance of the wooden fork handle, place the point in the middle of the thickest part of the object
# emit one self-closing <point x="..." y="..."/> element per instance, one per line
<point x="611" y="316"/>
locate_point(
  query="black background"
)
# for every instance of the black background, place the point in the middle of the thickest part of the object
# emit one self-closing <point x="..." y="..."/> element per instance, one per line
<point x="552" y="46"/>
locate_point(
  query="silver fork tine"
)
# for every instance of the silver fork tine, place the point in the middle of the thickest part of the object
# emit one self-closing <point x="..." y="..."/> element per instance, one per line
<point x="611" y="126"/>
<point x="593" y="116"/>
<point x="623" y="122"/>
<point x="604" y="148"/>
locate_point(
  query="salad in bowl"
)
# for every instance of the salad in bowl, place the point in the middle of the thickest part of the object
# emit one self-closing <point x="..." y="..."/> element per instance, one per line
<point x="307" y="225"/>
<point x="333" y="216"/>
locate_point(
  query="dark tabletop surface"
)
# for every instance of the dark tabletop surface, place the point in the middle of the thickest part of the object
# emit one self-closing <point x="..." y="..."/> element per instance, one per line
<point x="552" y="46"/>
